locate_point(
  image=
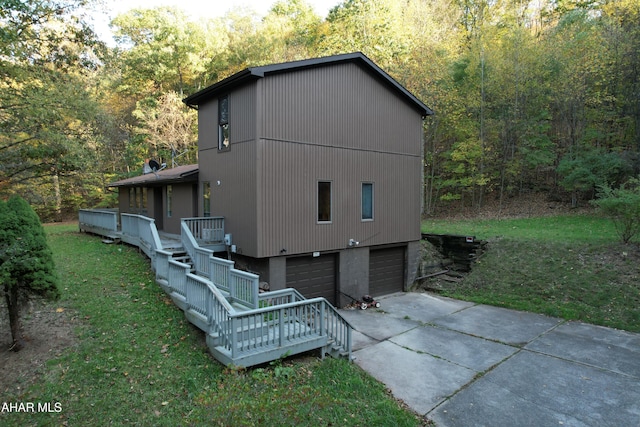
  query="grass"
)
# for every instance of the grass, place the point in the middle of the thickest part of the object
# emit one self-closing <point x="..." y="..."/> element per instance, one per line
<point x="138" y="361"/>
<point x="563" y="228"/>
<point x="571" y="267"/>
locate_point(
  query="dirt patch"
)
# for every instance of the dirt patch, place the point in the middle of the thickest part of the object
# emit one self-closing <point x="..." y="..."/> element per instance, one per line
<point x="48" y="330"/>
<point x="526" y="205"/>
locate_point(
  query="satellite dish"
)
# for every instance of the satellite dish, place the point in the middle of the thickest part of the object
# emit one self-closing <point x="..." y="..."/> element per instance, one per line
<point x="155" y="166"/>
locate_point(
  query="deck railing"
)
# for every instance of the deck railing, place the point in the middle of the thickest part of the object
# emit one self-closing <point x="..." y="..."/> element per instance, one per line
<point x="281" y="296"/>
<point x="272" y="321"/>
<point x="162" y="266"/>
<point x="207" y="229"/>
<point x="177" y="282"/>
<point x="104" y="222"/>
<point x="240" y="286"/>
<point x="281" y="326"/>
<point x="141" y="231"/>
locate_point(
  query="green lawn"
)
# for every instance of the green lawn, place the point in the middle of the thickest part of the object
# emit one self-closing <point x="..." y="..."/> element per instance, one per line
<point x="567" y="266"/>
<point x="564" y="228"/>
<point x="139" y="362"/>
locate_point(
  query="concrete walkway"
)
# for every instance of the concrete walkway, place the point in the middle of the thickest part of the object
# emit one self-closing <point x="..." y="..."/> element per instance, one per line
<point x="464" y="364"/>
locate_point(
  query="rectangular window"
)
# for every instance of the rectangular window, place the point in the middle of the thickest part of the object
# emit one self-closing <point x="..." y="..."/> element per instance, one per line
<point x="324" y="201"/>
<point x="169" y="196"/>
<point x="138" y="199"/>
<point x="206" y="198"/>
<point x="367" y="201"/>
<point x="223" y="123"/>
<point x="132" y="198"/>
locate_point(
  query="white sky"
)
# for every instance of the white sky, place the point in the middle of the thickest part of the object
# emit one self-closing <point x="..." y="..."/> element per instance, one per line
<point x="196" y="9"/>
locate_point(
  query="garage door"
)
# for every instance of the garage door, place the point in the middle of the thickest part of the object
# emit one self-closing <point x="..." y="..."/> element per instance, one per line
<point x="313" y="276"/>
<point x="386" y="271"/>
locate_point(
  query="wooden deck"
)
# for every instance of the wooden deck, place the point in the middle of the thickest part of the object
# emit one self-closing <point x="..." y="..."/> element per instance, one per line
<point x="243" y="326"/>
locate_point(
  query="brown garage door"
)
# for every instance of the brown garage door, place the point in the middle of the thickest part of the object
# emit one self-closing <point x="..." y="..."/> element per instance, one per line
<point x="386" y="271"/>
<point x="313" y="276"/>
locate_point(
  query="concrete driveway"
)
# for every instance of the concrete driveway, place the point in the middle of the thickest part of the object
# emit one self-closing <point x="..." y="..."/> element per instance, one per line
<point x="464" y="364"/>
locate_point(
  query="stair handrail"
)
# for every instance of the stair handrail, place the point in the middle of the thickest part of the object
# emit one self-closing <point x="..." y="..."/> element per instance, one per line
<point x="226" y="323"/>
<point x="188" y="240"/>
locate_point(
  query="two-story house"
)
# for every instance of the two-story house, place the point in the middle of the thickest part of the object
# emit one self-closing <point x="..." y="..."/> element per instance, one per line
<point x="316" y="166"/>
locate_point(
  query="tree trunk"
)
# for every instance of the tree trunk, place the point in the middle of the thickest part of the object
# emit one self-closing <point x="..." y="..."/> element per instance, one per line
<point x="58" y="196"/>
<point x="11" y="295"/>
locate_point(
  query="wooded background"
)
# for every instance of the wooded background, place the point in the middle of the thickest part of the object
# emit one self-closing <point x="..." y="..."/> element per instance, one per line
<point x="530" y="96"/>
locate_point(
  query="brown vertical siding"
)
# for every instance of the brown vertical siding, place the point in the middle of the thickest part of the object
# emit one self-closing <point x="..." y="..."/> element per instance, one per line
<point x="335" y="124"/>
<point x="235" y="197"/>
<point x="242" y="119"/>
<point x="340" y="105"/>
<point x="181" y="206"/>
<point x="288" y="215"/>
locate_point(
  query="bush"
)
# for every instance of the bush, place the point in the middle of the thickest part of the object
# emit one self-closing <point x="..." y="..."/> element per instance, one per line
<point x="622" y="205"/>
<point x="26" y="262"/>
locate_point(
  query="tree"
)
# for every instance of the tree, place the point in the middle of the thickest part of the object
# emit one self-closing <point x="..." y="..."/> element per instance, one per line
<point x="622" y="205"/>
<point x="47" y="54"/>
<point x="168" y="124"/>
<point x="166" y="51"/>
<point x="26" y="262"/>
<point x="291" y="30"/>
<point x="590" y="169"/>
<point x="366" y="26"/>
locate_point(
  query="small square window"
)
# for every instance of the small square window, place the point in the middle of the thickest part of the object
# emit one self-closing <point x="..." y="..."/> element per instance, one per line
<point x="324" y="201"/>
<point x="367" y="201"/>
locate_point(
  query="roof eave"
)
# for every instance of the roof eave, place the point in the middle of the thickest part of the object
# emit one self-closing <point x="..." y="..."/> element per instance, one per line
<point x="190" y="176"/>
<point x="255" y="73"/>
<point x="225" y="85"/>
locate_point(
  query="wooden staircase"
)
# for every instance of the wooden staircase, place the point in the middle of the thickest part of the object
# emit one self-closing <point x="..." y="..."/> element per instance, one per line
<point x="243" y="326"/>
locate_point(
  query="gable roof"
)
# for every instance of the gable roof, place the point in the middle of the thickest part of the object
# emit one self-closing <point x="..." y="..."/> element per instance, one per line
<point x="255" y="73"/>
<point x="178" y="174"/>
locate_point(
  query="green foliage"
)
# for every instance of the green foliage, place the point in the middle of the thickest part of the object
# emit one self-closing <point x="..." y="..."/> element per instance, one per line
<point x="590" y="169"/>
<point x="168" y="127"/>
<point x="26" y="262"/>
<point x="514" y="88"/>
<point x="622" y="205"/>
<point x="46" y="108"/>
<point x="166" y="51"/>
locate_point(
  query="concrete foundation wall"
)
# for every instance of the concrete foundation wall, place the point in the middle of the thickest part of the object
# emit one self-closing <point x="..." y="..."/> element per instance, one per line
<point x="414" y="252"/>
<point x="277" y="274"/>
<point x="353" y="275"/>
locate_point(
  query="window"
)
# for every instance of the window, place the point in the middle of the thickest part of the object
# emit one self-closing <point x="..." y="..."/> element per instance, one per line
<point x="223" y="123"/>
<point x="169" y="195"/>
<point x="138" y="199"/>
<point x="324" y="201"/>
<point x="206" y="198"/>
<point x="367" y="201"/>
<point x="132" y="198"/>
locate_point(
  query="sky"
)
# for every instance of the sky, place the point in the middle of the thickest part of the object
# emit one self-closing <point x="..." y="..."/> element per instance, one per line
<point x="196" y="9"/>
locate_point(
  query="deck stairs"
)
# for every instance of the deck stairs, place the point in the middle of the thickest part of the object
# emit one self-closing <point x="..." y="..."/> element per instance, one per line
<point x="243" y="326"/>
<point x="244" y="331"/>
